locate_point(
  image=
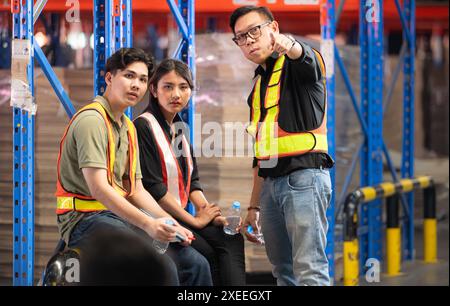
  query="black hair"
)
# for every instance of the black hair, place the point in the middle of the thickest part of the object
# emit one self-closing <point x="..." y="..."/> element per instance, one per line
<point x="165" y="67"/>
<point x="124" y="57"/>
<point x="244" y="10"/>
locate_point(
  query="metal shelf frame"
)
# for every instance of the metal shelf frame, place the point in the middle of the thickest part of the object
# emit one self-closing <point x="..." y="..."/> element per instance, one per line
<point x="370" y="111"/>
<point x="328" y="34"/>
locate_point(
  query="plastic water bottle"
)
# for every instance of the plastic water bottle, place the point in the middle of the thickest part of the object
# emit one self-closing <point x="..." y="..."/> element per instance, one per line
<point x="161" y="246"/>
<point x="233" y="218"/>
<point x="258" y="236"/>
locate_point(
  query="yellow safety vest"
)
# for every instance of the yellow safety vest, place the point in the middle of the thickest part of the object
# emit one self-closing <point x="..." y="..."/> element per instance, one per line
<point x="271" y="141"/>
<point x="67" y="201"/>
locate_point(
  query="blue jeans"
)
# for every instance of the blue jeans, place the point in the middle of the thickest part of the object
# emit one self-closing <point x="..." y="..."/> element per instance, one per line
<point x="294" y="225"/>
<point x="187" y="266"/>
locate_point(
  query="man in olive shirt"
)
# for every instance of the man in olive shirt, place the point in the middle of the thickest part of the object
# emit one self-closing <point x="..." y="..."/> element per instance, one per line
<point x="99" y="178"/>
<point x="85" y="147"/>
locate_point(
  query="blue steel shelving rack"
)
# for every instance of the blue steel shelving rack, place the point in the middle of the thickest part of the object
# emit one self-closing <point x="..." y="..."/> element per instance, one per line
<point x="184" y="15"/>
<point x="117" y="14"/>
<point x="328" y="33"/>
<point x="116" y="17"/>
<point x="23" y="160"/>
<point x="370" y="111"/>
<point x="371" y="170"/>
<point x="408" y="18"/>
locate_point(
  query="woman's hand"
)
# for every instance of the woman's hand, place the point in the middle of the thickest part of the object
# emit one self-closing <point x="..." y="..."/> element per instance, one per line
<point x="220" y="221"/>
<point x="186" y="233"/>
<point x="206" y="215"/>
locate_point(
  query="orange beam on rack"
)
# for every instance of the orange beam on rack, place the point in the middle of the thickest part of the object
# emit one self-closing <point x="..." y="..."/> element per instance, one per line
<point x="427" y="14"/>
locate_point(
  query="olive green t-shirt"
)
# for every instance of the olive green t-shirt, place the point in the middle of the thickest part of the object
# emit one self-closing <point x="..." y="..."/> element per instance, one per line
<point x="85" y="146"/>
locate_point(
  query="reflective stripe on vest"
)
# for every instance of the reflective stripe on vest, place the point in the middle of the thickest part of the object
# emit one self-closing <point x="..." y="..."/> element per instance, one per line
<point x="271" y="141"/>
<point x="67" y="201"/>
<point x="171" y="171"/>
<point x="73" y="203"/>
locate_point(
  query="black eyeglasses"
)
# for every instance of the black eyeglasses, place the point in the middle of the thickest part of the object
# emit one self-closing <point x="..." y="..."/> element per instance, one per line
<point x="253" y="33"/>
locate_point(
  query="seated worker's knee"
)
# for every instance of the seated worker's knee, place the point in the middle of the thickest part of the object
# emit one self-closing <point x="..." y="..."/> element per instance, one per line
<point x="198" y="273"/>
<point x="172" y="271"/>
<point x="202" y="264"/>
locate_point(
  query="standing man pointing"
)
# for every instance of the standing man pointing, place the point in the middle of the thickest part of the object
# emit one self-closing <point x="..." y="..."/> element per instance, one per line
<point x="292" y="186"/>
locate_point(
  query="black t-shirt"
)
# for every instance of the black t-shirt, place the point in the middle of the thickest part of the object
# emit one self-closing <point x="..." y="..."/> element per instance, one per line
<point x="302" y="107"/>
<point x="151" y="162"/>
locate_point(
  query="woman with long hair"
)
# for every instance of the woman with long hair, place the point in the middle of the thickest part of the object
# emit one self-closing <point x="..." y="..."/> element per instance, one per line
<point x="171" y="176"/>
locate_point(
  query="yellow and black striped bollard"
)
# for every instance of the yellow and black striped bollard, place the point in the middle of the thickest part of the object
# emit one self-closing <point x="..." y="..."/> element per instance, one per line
<point x="351" y="244"/>
<point x="393" y="236"/>
<point x="430" y="226"/>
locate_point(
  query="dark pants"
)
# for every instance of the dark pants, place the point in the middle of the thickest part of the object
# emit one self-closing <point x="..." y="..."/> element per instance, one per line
<point x="187" y="266"/>
<point x="225" y="254"/>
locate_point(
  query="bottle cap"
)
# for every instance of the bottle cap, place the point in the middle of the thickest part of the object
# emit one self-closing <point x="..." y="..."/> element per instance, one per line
<point x="236" y="204"/>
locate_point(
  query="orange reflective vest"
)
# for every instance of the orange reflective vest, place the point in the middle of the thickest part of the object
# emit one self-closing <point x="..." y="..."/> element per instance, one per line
<point x="171" y="171"/>
<point x="67" y="201"/>
<point x="271" y="141"/>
